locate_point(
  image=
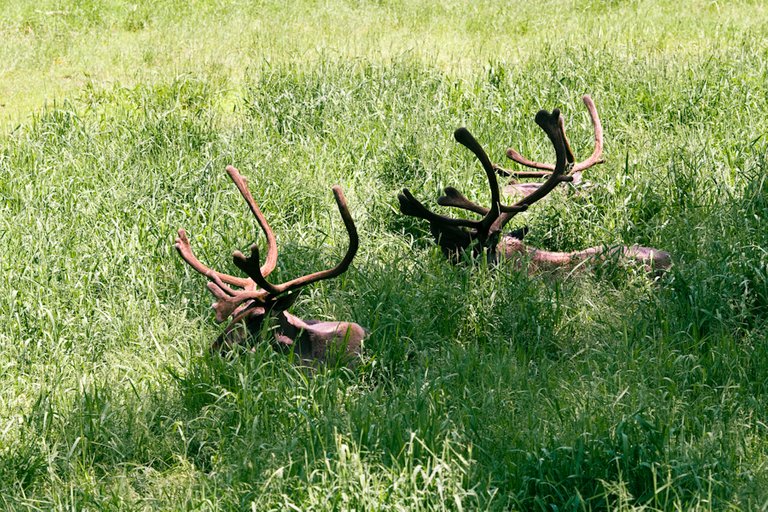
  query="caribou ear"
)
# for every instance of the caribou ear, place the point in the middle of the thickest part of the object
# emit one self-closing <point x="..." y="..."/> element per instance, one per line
<point x="519" y="233"/>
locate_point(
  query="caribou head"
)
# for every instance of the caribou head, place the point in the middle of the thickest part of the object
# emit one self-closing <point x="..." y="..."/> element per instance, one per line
<point x="254" y="305"/>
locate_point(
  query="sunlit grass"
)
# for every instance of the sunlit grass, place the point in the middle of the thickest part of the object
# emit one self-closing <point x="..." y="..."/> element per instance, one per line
<point x="51" y="49"/>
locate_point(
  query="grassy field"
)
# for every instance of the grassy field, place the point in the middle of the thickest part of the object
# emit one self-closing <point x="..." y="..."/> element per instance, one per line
<point x="480" y="388"/>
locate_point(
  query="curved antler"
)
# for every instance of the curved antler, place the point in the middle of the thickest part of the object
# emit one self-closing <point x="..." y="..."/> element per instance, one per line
<point x="466" y="139"/>
<point x="250" y="265"/>
<point x="554" y="126"/>
<point x="595" y="158"/>
<point x="447" y="229"/>
<point x="242" y="186"/>
<point x="185" y="250"/>
<point x="409" y="205"/>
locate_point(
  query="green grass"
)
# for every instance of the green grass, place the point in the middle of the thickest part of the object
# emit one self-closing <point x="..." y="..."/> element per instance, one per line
<point x="480" y="388"/>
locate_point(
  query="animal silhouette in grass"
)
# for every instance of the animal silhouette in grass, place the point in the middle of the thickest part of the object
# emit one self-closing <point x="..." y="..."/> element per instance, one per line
<point x="486" y="235"/>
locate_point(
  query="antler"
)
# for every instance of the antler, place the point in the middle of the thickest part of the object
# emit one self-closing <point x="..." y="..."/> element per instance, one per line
<point x="185" y="250"/>
<point x="250" y="265"/>
<point x="554" y="126"/>
<point x="547" y="169"/>
<point x="231" y="302"/>
<point x="242" y="186"/>
<point x="457" y="233"/>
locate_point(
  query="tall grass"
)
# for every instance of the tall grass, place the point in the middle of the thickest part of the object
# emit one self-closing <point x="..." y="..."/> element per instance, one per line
<point x="480" y="388"/>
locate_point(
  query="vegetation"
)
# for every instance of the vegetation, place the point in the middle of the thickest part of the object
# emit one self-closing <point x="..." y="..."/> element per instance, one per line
<point x="480" y="388"/>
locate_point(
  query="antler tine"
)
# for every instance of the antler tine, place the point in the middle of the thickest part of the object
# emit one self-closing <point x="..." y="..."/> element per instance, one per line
<point x="465" y="138"/>
<point x="185" y="250"/>
<point x="242" y="186"/>
<point x="595" y="158"/>
<point x="456" y="199"/>
<point x="250" y="265"/>
<point x="409" y="205"/>
<point x="554" y="126"/>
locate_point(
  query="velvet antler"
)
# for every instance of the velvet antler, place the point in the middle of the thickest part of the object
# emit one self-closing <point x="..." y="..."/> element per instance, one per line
<point x="545" y="168"/>
<point x="258" y="299"/>
<point x="455" y="235"/>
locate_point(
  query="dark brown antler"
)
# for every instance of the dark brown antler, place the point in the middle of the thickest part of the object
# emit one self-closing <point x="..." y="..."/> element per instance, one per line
<point x="545" y="168"/>
<point x="457" y="235"/>
<point x="258" y="299"/>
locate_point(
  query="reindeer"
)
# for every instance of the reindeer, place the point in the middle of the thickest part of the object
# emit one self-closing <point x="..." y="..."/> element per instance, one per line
<point x="259" y="306"/>
<point x="484" y="236"/>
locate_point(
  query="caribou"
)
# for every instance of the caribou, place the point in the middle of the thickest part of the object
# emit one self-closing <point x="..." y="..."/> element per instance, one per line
<point x="255" y="306"/>
<point x="457" y="236"/>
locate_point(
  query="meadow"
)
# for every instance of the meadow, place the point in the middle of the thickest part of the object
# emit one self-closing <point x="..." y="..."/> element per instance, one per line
<point x="480" y="387"/>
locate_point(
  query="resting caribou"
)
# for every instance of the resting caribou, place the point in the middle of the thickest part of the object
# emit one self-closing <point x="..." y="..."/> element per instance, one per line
<point x="259" y="305"/>
<point x="485" y="236"/>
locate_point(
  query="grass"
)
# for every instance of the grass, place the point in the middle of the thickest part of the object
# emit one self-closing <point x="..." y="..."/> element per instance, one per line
<point x="481" y="388"/>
